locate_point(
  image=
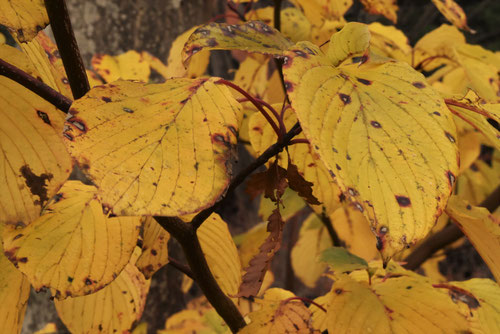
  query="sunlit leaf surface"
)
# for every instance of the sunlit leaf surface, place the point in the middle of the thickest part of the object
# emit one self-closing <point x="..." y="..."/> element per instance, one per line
<point x="73" y="248"/>
<point x="383" y="132"/>
<point x="157" y="149"/>
<point x="34" y="163"/>
<point x="111" y="310"/>
<point x="23" y="18"/>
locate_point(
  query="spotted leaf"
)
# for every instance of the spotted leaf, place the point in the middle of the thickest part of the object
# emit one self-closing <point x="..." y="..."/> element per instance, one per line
<point x="253" y="36"/>
<point x="383" y="132"/>
<point x="23" y="18"/>
<point x="387" y="8"/>
<point x="157" y="149"/>
<point x="73" y="248"/>
<point x="453" y="13"/>
<point x="154" y="248"/>
<point x="113" y="309"/>
<point x="35" y="162"/>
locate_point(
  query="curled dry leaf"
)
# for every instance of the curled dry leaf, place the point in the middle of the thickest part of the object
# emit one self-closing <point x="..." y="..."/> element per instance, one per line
<point x="157" y="149"/>
<point x="34" y="163"/>
<point x="374" y="123"/>
<point x="73" y="248"/>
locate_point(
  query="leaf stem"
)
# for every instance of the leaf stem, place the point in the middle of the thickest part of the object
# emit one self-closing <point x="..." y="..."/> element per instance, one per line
<point x="271" y="109"/>
<point x="451" y="102"/>
<point x="251" y="99"/>
<point x="448" y="235"/>
<point x="46" y="92"/>
<point x="298" y="141"/>
<point x="306" y="300"/>
<point x="185" y="234"/>
<point x="261" y="160"/>
<point x="68" y="48"/>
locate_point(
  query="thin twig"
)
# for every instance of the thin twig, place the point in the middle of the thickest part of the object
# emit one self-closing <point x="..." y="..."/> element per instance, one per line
<point x="279" y="62"/>
<point x="448" y="235"/>
<point x="278" y="117"/>
<point x="46" y="92"/>
<point x="67" y="46"/>
<point x="299" y="141"/>
<point x="231" y="7"/>
<point x="186" y="235"/>
<point x="261" y="160"/>
<point x="181" y="267"/>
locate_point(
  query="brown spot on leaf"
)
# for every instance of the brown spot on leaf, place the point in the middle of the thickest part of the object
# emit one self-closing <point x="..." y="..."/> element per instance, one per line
<point x="403" y="201"/>
<point x="43" y="116"/>
<point x="106" y="99"/>
<point x="88" y="281"/>
<point x="212" y="42"/>
<point x="233" y="130"/>
<point x="436" y="113"/>
<point x="70" y="279"/>
<point x="36" y="183"/>
<point x="338" y="167"/>
<point x="300" y="53"/>
<point x="17" y="236"/>
<point x="288" y="86"/>
<point x="383" y="230"/>
<point x="339" y="291"/>
<point x="345" y="98"/>
<point x="364" y="81"/>
<point x="450" y="137"/>
<point x="468" y="207"/>
<point x="361" y="60"/>
<point x="375" y="124"/>
<point x="23" y="260"/>
<point x="380" y="243"/>
<point x="154" y="252"/>
<point x="130" y="111"/>
<point x="418" y="84"/>
<point x="451" y="178"/>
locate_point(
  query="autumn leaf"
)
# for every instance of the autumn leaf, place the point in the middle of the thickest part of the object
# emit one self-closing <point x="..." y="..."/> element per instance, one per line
<point x="14" y="294"/>
<point x="130" y="65"/>
<point x="157" y="149"/>
<point x="23" y="18"/>
<point x="353" y="39"/>
<point x="73" y="248"/>
<point x="453" y="13"/>
<point x="292" y="204"/>
<point x="112" y="309"/>
<point x="482" y="229"/>
<point x="341" y="261"/>
<point x="390" y="42"/>
<point x="278" y="314"/>
<point x="154" y="248"/>
<point x="272" y="182"/>
<point x="393" y="151"/>
<point x="34" y="163"/>
<point x="297" y="182"/>
<point x="312" y="241"/>
<point x="259" y="264"/>
<point x="324" y="9"/>
<point x="386" y="8"/>
<point x="253" y="36"/>
<point x="480" y="180"/>
<point x="221" y="253"/>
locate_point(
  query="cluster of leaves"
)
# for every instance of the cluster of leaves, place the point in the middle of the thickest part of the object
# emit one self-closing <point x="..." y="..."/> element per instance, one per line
<point x="379" y="155"/>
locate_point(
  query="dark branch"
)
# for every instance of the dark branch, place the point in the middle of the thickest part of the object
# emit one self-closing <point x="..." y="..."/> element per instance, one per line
<point x="331" y="231"/>
<point x="68" y="48"/>
<point x="185" y="234"/>
<point x="261" y="160"/>
<point x="446" y="236"/>
<point x="36" y="86"/>
<point x="181" y="267"/>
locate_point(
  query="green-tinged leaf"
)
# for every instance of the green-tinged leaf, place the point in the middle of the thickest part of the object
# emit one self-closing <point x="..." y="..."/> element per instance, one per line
<point x="23" y="18"/>
<point x="312" y="241"/>
<point x="73" y="248"/>
<point x="14" y="293"/>
<point x="341" y="261"/>
<point x="157" y="149"/>
<point x="383" y="132"/>
<point x="253" y="36"/>
<point x="221" y="253"/>
<point x="479" y="301"/>
<point x="34" y="163"/>
<point x="278" y="315"/>
<point x="113" y="309"/>
<point x="154" y="248"/>
<point x="482" y="229"/>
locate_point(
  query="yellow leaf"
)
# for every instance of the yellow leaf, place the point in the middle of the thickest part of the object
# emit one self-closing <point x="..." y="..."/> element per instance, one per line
<point x="453" y="13"/>
<point x="142" y="328"/>
<point x="23" y="18"/>
<point x="353" y="228"/>
<point x="50" y="328"/>
<point x="254" y="74"/>
<point x="93" y="78"/>
<point x="130" y="65"/>
<point x="393" y="150"/>
<point x="113" y="309"/>
<point x="320" y="35"/>
<point x="291" y="201"/>
<point x="14" y="294"/>
<point x="400" y="304"/>
<point x="253" y="36"/>
<point x="45" y="57"/>
<point x="154" y="248"/>
<point x="318" y="316"/>
<point x="386" y="8"/>
<point x="279" y="315"/>
<point x="312" y="241"/>
<point x="317" y="10"/>
<point x="479" y="180"/>
<point x="34" y="163"/>
<point x="302" y="155"/>
<point x="73" y="248"/>
<point x="250" y="241"/>
<point x="157" y="149"/>
<point x="197" y="65"/>
<point x="221" y="253"/>
<point x="354" y="38"/>
<point x="480" y="299"/>
<point x="469" y="146"/>
<point x="481" y="228"/>
<point x="390" y="42"/>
